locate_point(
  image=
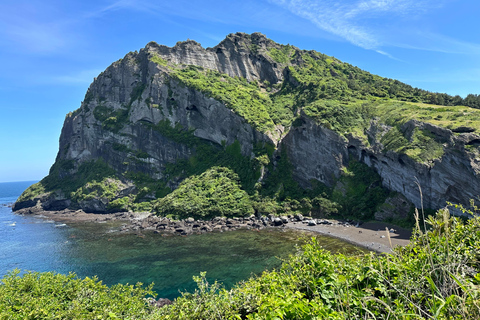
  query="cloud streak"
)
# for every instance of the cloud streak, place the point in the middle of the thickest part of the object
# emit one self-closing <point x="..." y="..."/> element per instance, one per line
<point x="360" y="22"/>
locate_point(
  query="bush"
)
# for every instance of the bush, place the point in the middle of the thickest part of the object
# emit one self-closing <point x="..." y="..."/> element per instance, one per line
<point x="216" y="192"/>
<point x="56" y="296"/>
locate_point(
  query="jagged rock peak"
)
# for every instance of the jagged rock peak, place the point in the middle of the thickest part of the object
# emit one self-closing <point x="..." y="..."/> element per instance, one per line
<point x="244" y="39"/>
<point x="238" y="55"/>
<point x="237" y="39"/>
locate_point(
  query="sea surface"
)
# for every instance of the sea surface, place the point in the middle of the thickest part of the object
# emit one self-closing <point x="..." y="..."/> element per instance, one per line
<point x="98" y="249"/>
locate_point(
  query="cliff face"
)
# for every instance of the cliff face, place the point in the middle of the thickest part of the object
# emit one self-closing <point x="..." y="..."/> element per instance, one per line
<point x="236" y="56"/>
<point x="145" y="95"/>
<point x="142" y="120"/>
<point x="319" y="153"/>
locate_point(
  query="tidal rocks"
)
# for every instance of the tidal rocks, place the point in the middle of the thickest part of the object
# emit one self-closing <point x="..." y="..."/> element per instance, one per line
<point x="189" y="226"/>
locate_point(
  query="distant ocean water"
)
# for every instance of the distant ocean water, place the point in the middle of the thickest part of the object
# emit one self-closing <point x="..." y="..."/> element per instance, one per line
<point x="88" y="249"/>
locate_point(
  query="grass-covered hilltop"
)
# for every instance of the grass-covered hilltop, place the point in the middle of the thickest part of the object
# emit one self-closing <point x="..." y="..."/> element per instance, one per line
<point x="272" y="128"/>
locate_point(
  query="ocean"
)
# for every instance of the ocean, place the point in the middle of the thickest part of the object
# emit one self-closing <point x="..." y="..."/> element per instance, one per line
<point x="35" y="243"/>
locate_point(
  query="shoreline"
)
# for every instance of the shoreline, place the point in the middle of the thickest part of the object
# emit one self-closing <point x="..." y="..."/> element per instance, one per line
<point x="370" y="235"/>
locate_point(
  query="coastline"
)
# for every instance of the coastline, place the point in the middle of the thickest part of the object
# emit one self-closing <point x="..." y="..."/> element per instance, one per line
<point x="376" y="236"/>
<point x="370" y="235"/>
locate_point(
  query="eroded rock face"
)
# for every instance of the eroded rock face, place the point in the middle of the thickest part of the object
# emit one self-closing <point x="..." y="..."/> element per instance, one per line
<point x="161" y="100"/>
<point x="318" y="153"/>
<point x="235" y="56"/>
<point x="315" y="153"/>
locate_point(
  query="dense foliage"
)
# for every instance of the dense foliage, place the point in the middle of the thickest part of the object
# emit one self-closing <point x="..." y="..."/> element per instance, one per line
<point x="48" y="295"/>
<point x="216" y="192"/>
<point x="437" y="276"/>
<point x="359" y="191"/>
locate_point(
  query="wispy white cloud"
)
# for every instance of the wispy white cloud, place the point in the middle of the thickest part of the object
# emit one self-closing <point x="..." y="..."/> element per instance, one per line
<point x="135" y="5"/>
<point x="364" y="23"/>
<point x="348" y="19"/>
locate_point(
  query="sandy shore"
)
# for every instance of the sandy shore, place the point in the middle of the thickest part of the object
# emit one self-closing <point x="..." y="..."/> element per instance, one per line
<point x="371" y="235"/>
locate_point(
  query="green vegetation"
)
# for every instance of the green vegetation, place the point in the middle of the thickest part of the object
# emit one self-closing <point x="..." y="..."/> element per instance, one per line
<point x="422" y="146"/>
<point x="33" y="191"/>
<point x="107" y="190"/>
<point x="86" y="172"/>
<point x="282" y="55"/>
<point x="325" y="77"/>
<point x="54" y="296"/>
<point x="397" y="113"/>
<point x="216" y="192"/>
<point x="241" y="96"/>
<point x="91" y="179"/>
<point x="158" y="60"/>
<point x="112" y="120"/>
<point x="337" y="117"/>
<point x="436" y="276"/>
<point x="359" y="191"/>
<point x="115" y="120"/>
<point x="136" y="93"/>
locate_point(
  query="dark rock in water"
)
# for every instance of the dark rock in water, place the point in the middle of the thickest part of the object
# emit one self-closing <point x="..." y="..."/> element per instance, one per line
<point x="311" y="223"/>
<point x="298" y="217"/>
<point x="277" y="222"/>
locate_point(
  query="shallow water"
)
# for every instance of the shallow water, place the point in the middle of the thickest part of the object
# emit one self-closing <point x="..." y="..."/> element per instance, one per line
<point x="89" y="249"/>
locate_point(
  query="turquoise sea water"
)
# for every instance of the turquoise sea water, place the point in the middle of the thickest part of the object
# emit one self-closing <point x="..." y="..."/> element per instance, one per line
<point x="89" y="249"/>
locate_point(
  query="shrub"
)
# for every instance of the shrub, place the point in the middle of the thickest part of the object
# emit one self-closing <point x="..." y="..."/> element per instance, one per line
<point x="216" y="192"/>
<point x="55" y="296"/>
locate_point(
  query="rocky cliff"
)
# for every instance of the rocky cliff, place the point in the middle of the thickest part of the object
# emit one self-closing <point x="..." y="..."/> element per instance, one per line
<point x="452" y="177"/>
<point x="160" y="115"/>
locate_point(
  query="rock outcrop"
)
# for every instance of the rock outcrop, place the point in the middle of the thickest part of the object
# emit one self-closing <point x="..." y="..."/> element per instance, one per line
<point x="236" y="56"/>
<point x="137" y="118"/>
<point x="319" y="153"/>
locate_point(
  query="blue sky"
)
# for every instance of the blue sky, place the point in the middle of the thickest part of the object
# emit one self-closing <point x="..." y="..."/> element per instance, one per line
<point x="50" y="50"/>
